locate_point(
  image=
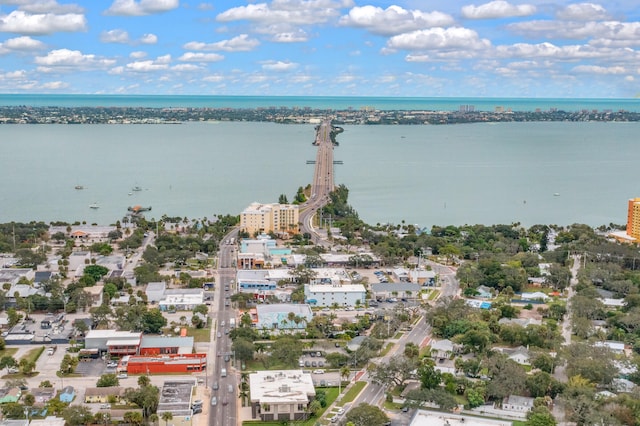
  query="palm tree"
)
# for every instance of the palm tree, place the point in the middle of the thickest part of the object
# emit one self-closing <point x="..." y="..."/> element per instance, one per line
<point x="154" y="419"/>
<point x="166" y="416"/>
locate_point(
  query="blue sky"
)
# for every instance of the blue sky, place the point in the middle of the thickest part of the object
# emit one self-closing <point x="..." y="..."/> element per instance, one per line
<point x="422" y="48"/>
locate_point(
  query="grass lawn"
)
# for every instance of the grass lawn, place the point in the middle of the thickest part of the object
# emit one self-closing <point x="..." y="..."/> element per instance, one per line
<point x="433" y="294"/>
<point x="199" y="334"/>
<point x="353" y="392"/>
<point x="386" y="349"/>
<point x="398" y="335"/>
<point x="33" y="354"/>
<point x="8" y="352"/>
<point x="257" y="365"/>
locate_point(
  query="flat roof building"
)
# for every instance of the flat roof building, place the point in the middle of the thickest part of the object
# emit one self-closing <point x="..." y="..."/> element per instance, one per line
<point x="434" y="418"/>
<point x="157" y="345"/>
<point x="260" y="218"/>
<point x="182" y="299"/>
<point x="280" y="395"/>
<point x="330" y="294"/>
<point x="276" y="316"/>
<point x="175" y="398"/>
<point x="117" y="343"/>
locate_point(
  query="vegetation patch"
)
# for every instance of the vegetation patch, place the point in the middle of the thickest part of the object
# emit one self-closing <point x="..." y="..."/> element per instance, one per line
<point x="33" y="354"/>
<point x="353" y="392"/>
<point x="199" y="334"/>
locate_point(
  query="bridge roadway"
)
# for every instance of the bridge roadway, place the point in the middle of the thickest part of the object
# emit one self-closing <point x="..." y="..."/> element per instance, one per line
<point x="323" y="181"/>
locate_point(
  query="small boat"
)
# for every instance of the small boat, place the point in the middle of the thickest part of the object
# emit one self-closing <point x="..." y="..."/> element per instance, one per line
<point x="136" y="188"/>
<point x="79" y="187"/>
<point x="556" y="194"/>
<point x="94" y="206"/>
<point x="131" y="193"/>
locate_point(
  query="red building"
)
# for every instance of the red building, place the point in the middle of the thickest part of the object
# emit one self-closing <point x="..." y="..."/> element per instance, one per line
<point x="186" y="363"/>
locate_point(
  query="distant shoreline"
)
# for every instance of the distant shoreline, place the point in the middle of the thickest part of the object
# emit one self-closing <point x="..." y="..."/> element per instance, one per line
<point x="287" y="115"/>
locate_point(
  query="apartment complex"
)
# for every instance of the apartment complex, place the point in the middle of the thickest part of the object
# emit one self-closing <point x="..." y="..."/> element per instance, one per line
<point x="633" y="218"/>
<point x="264" y="218"/>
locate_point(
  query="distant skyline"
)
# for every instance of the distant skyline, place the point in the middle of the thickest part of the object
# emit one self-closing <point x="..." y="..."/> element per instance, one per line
<point x="405" y="48"/>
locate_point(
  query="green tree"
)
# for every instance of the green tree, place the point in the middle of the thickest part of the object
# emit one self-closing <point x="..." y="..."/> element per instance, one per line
<point x="166" y="416"/>
<point x="244" y="349"/>
<point x="286" y="350"/>
<point x="95" y="271"/>
<point x="367" y="415"/>
<point x="153" y="321"/>
<point x="540" y="416"/>
<point x="110" y="289"/>
<point x="411" y="350"/>
<point x="7" y="362"/>
<point x="144" y="381"/>
<point x="430" y="378"/>
<point x="77" y="415"/>
<point x="29" y="400"/>
<point x="133" y="417"/>
<point x="108" y="380"/>
<point x="26" y="366"/>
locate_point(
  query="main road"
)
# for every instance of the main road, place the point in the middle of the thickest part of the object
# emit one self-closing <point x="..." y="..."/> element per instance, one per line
<point x="323" y="180"/>
<point x="224" y="413"/>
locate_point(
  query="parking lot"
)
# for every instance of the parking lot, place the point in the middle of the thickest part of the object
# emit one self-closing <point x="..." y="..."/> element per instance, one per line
<point x="93" y="367"/>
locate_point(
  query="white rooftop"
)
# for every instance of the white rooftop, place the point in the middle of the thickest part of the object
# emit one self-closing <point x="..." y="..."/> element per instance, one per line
<point x="433" y="418"/>
<point x="112" y="334"/>
<point x="281" y="387"/>
<point x="329" y="288"/>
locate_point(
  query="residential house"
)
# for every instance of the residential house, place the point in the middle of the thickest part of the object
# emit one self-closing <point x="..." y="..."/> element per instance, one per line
<point x="407" y="290"/>
<point x="536" y="295"/>
<point x="518" y="403"/>
<point x="48" y="421"/>
<point x="9" y="395"/>
<point x="520" y="355"/>
<point x="43" y="395"/>
<point x="93" y="395"/>
<point x="484" y="292"/>
<point x="443" y="349"/>
<point x="615" y="347"/>
<point x="95" y="294"/>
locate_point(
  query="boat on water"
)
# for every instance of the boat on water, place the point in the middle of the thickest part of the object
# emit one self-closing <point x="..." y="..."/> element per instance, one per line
<point x="79" y="187"/>
<point x="138" y="209"/>
<point x="136" y="188"/>
<point x="556" y="194"/>
<point x="94" y="206"/>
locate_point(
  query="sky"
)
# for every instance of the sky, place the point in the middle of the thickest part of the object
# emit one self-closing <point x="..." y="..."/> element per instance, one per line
<point x="403" y="48"/>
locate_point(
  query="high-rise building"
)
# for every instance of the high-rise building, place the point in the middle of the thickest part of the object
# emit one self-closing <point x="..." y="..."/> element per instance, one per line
<point x="278" y="218"/>
<point x="633" y="218"/>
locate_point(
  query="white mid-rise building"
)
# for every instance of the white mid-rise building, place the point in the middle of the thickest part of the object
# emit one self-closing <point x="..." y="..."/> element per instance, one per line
<point x="280" y="395"/>
<point x="264" y="218"/>
<point x="182" y="299"/>
<point x="332" y="294"/>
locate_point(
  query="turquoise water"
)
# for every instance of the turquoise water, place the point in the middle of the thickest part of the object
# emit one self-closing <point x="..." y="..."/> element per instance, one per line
<point x="426" y="175"/>
<point x="338" y="103"/>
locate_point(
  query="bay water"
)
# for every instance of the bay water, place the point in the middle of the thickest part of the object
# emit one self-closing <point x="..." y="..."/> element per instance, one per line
<point x="552" y="172"/>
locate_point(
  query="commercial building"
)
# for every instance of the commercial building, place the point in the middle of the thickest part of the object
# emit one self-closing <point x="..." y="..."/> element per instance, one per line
<point x="434" y="418"/>
<point x="155" y="291"/>
<point x="404" y="290"/>
<point x="330" y="294"/>
<point x="280" y="395"/>
<point x="118" y="343"/>
<point x="163" y="364"/>
<point x="260" y="218"/>
<point x="156" y="345"/>
<point x="175" y="398"/>
<point x="181" y="299"/>
<point x="276" y="316"/>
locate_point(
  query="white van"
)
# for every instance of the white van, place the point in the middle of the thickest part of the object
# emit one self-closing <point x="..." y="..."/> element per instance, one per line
<point x="223" y="372"/>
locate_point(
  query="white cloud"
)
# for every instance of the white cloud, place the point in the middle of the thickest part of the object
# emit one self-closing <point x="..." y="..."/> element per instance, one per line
<point x="394" y="19"/>
<point x="602" y="33"/>
<point x="564" y="53"/>
<point x="72" y="60"/>
<point x="114" y="36"/>
<point x="293" y="12"/>
<point x="594" y="69"/>
<point x="241" y="43"/>
<point x="46" y="6"/>
<point x="583" y="12"/>
<point x="297" y="36"/>
<point x="21" y="22"/>
<point x="149" y="39"/>
<point x="186" y="67"/>
<point x="14" y="75"/>
<point x="200" y="57"/>
<point x="216" y="78"/>
<point x="146" y="66"/>
<point x="22" y="43"/>
<point x="138" y="54"/>
<point x="279" y="66"/>
<point x="497" y="9"/>
<point x="142" y="7"/>
<point x="439" y="38"/>
<point x="55" y="85"/>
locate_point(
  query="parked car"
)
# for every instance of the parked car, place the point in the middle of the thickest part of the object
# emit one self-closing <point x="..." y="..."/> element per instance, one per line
<point x="105" y="406"/>
<point x="197" y="410"/>
<point x="122" y="376"/>
<point x="318" y="371"/>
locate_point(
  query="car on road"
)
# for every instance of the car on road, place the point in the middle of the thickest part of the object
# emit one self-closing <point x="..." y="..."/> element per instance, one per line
<point x="216" y="386"/>
<point x="226" y="303"/>
<point x="340" y="411"/>
<point x="222" y="324"/>
<point x="318" y="371"/>
<point x="230" y="388"/>
<point x="226" y="358"/>
<point x="112" y="364"/>
<point x="214" y="400"/>
<point x="225" y="401"/>
<point x="334" y="419"/>
<point x="219" y="335"/>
